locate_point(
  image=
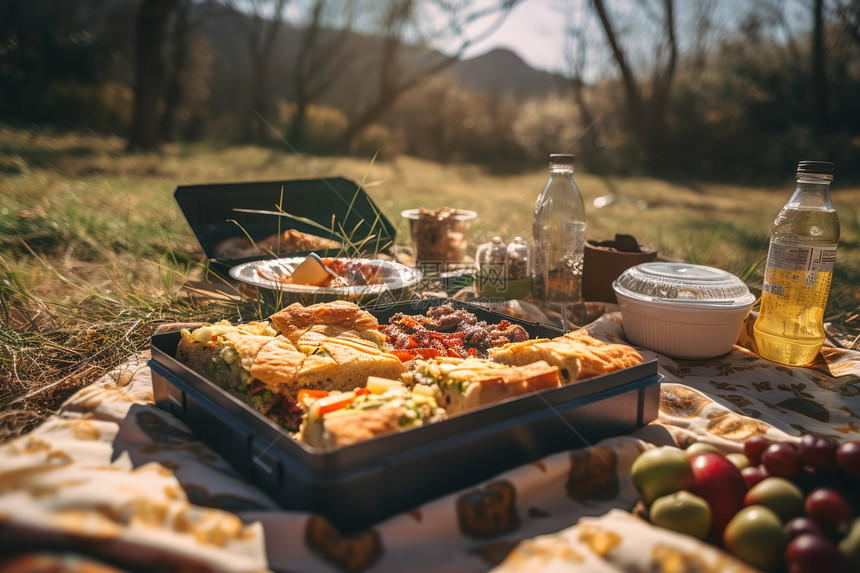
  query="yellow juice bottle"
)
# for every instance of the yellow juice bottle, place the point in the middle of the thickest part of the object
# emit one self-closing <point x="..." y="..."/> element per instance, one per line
<point x="790" y="325"/>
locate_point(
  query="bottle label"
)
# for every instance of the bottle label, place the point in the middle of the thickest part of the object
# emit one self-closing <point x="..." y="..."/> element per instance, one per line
<point x="801" y="258"/>
<point x="802" y="261"/>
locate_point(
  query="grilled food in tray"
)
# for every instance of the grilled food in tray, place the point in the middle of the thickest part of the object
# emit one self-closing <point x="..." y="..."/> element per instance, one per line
<point x="337" y="419"/>
<point x="333" y="375"/>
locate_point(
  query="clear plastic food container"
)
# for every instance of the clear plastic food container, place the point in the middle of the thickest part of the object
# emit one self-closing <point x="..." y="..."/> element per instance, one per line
<point x="682" y="310"/>
<point x="439" y="237"/>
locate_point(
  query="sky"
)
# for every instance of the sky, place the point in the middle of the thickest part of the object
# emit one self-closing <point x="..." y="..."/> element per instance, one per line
<point x="534" y="30"/>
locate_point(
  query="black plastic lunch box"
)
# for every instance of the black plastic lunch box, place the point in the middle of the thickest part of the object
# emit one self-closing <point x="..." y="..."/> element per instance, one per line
<point x="258" y="209"/>
<point x="364" y="483"/>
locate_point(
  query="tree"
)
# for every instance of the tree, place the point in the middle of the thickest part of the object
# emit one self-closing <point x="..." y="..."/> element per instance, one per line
<point x="401" y="66"/>
<point x="151" y="25"/>
<point x="320" y="59"/>
<point x="179" y="63"/>
<point x="260" y="21"/>
<point x="647" y="109"/>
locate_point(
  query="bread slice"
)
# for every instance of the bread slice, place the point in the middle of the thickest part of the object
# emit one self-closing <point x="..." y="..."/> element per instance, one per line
<point x="466" y="384"/>
<point x="564" y="356"/>
<point x="309" y="339"/>
<point x="294" y="320"/>
<point x="357" y="363"/>
<point x="577" y="354"/>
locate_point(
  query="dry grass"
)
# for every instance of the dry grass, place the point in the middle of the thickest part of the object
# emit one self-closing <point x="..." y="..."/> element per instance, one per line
<point x="94" y="251"/>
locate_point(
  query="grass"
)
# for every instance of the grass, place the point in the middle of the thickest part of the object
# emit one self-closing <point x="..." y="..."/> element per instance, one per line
<point x="94" y="252"/>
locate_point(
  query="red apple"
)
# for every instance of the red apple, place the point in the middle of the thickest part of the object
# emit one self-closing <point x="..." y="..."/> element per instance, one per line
<point x="720" y="483"/>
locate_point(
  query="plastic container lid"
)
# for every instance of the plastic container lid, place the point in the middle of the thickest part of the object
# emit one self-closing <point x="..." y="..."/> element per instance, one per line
<point x="683" y="284"/>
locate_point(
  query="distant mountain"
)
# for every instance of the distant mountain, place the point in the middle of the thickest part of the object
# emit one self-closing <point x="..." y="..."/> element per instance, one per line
<point x="502" y="72"/>
<point x="497" y="73"/>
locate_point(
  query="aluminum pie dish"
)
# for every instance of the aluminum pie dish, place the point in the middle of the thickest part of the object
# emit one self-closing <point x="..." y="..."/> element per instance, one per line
<point x="397" y="281"/>
<point x="682" y="310"/>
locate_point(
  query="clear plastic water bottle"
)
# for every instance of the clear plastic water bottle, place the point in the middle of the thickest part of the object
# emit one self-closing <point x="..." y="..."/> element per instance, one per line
<point x="790" y="325"/>
<point x="559" y="239"/>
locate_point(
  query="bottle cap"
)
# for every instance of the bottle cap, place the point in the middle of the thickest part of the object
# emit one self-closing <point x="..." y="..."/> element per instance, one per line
<point x="562" y="159"/>
<point x="819" y="167"/>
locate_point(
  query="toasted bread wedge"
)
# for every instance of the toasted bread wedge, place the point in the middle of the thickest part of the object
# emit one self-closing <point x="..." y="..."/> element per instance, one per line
<point x="466" y="384"/>
<point x="347" y="315"/>
<point x="577" y="354"/>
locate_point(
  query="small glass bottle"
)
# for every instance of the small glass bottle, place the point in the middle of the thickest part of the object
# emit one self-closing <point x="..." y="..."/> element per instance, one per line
<point x="491" y="260"/>
<point x="518" y="260"/>
<point x="559" y="239"/>
<point x="790" y="325"/>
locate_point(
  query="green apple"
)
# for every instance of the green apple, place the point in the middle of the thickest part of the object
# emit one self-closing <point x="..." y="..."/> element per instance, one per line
<point x="661" y="471"/>
<point x="850" y="544"/>
<point x="699" y="447"/>
<point x="780" y="495"/>
<point x="755" y="535"/>
<point x="683" y="512"/>
<point x="740" y="460"/>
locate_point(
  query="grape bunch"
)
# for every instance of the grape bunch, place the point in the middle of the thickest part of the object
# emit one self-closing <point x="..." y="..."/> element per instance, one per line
<point x="779" y="506"/>
<point x="823" y="532"/>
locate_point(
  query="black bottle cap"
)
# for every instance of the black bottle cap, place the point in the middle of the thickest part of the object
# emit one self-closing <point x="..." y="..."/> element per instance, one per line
<point x="819" y="167"/>
<point x="562" y="159"/>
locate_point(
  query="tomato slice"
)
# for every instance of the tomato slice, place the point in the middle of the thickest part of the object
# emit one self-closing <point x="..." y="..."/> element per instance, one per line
<point x="404" y="355"/>
<point x="307" y="393"/>
<point x="426" y="353"/>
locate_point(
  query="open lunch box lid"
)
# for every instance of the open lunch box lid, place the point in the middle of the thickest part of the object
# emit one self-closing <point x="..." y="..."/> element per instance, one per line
<point x="358" y="485"/>
<point x="211" y="212"/>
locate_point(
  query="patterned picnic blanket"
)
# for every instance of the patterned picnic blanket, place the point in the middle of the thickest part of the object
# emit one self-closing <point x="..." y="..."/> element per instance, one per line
<point x="111" y="482"/>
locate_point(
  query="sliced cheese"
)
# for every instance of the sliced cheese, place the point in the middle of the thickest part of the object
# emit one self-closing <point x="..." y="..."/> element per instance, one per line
<point x="310" y="271"/>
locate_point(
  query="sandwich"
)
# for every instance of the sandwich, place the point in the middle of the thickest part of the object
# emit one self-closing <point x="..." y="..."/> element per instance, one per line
<point x="577" y="354"/>
<point x="468" y="383"/>
<point x="346" y="334"/>
<point x="266" y="367"/>
<point x="336" y="419"/>
<point x="249" y="360"/>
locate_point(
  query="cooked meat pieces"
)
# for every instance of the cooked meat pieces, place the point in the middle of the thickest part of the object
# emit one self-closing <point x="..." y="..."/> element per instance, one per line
<point x="451" y="331"/>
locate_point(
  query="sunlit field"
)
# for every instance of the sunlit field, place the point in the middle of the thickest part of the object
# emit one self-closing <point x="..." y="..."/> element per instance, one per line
<point x="94" y="251"/>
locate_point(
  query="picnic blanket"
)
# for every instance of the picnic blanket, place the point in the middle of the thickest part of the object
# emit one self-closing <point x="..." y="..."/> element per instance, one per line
<point x="112" y="482"/>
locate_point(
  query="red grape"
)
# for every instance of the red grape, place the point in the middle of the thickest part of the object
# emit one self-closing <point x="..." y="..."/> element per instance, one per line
<point x="754" y="447"/>
<point x="813" y="553"/>
<point x="754" y="474"/>
<point x="781" y="460"/>
<point x="801" y="525"/>
<point x="828" y="508"/>
<point x="848" y="458"/>
<point x="818" y="452"/>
